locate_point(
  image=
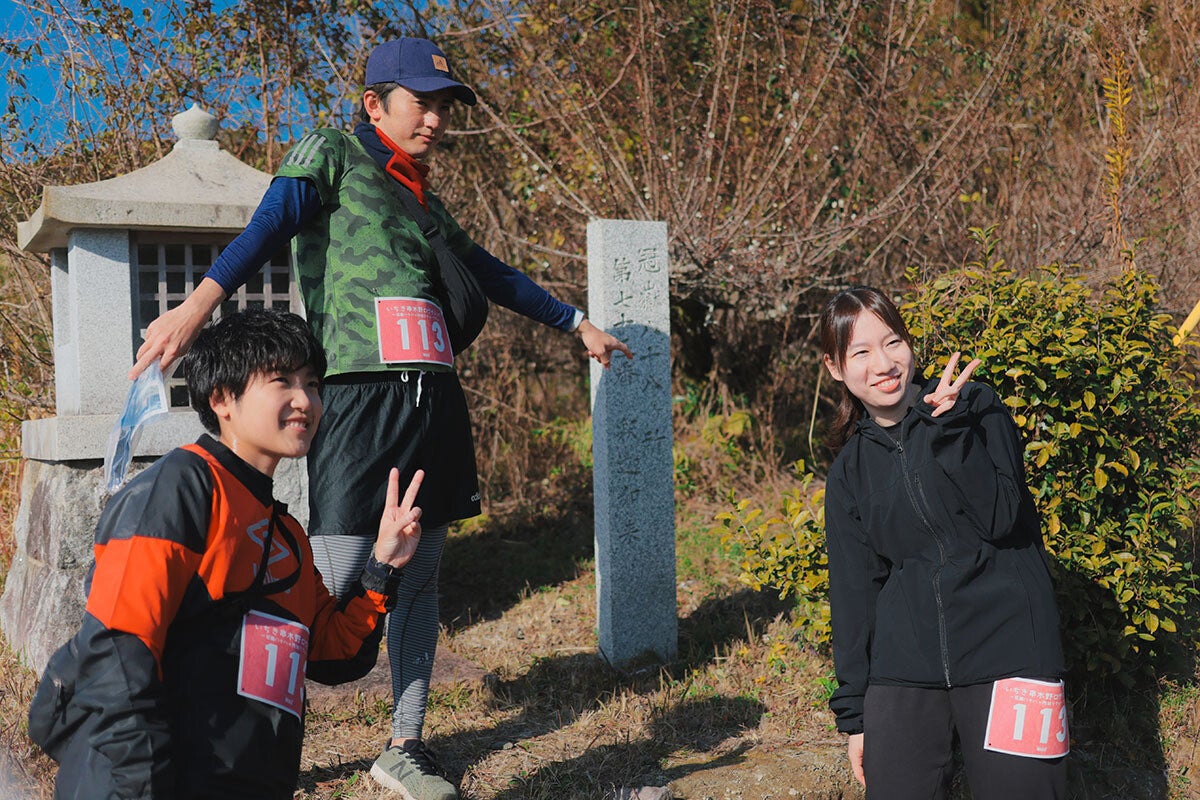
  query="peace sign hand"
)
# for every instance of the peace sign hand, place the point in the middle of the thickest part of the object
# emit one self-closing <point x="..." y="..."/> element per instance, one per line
<point x="945" y="395"/>
<point x="399" y="528"/>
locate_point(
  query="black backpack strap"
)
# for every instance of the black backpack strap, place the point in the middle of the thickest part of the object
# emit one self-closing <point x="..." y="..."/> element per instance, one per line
<point x="423" y="218"/>
<point x="463" y="300"/>
<point x="430" y="231"/>
<point x="238" y="603"/>
<point x="425" y="222"/>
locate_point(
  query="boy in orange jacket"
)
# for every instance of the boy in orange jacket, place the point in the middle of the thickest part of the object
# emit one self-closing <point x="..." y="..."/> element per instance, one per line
<point x="205" y="610"/>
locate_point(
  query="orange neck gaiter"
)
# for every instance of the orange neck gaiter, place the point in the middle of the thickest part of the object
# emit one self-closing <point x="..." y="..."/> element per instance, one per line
<point x="406" y="169"/>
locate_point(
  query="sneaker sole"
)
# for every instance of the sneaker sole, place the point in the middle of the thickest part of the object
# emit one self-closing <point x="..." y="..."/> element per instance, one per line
<point x="380" y="776"/>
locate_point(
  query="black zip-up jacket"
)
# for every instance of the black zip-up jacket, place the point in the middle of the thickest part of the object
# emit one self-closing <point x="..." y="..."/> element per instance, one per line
<point x="937" y="573"/>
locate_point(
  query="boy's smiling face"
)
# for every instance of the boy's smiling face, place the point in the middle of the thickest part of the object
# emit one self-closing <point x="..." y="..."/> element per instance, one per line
<point x="276" y="417"/>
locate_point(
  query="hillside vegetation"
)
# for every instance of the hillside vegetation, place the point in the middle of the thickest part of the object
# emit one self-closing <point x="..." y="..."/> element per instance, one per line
<point x="793" y="148"/>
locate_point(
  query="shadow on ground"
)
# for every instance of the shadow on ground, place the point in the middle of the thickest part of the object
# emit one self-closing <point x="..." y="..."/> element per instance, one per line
<point x="486" y="572"/>
<point x="601" y="770"/>
<point x="1117" y="739"/>
<point x="557" y="691"/>
<point x="1117" y="734"/>
<point x="698" y="725"/>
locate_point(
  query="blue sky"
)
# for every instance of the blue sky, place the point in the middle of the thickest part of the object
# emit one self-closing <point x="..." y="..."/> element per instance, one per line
<point x="14" y="23"/>
<point x="43" y="123"/>
<point x="44" y="82"/>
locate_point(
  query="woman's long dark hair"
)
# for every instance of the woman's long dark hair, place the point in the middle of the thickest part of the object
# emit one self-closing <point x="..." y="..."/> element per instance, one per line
<point x="836" y="326"/>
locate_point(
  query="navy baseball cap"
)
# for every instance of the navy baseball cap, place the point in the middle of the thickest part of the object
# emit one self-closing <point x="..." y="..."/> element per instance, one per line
<point x="416" y="64"/>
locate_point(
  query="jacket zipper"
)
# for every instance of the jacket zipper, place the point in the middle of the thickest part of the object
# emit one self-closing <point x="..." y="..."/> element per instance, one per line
<point x="937" y="573"/>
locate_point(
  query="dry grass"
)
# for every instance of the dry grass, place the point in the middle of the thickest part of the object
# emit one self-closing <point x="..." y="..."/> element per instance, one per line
<point x="24" y="771"/>
<point x="1179" y="723"/>
<point x="556" y="721"/>
<point x="1019" y="140"/>
<point x="739" y="713"/>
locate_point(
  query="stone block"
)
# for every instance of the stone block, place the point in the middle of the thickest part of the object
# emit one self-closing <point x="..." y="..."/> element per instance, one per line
<point x="634" y="490"/>
<point x="80" y="437"/>
<point x="41" y="608"/>
<point x="61" y="504"/>
<point x="64" y="502"/>
<point x="291" y="487"/>
<point x="66" y="331"/>
<point x="101" y="323"/>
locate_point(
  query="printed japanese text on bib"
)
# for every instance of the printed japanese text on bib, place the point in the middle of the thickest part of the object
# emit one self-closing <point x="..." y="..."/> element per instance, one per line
<point x="1028" y="718"/>
<point x="412" y="330"/>
<point x="274" y="655"/>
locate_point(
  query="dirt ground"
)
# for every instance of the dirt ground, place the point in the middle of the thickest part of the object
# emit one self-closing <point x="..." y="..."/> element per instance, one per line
<point x="737" y="768"/>
<point x="784" y="772"/>
<point x="523" y="708"/>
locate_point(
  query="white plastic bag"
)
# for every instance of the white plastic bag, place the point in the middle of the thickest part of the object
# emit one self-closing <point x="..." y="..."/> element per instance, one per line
<point x="147" y="398"/>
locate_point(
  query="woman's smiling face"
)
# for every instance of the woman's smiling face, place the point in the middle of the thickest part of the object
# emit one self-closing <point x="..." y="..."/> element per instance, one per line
<point x="877" y="368"/>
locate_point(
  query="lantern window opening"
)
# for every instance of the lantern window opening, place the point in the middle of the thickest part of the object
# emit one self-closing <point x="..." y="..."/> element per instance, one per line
<point x="168" y="271"/>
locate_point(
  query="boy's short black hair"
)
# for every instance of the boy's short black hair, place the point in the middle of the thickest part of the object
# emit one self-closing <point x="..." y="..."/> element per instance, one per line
<point x="240" y="345"/>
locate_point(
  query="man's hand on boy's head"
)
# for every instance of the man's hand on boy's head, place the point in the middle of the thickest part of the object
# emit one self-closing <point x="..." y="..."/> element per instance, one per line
<point x="170" y="335"/>
<point x="399" y="527"/>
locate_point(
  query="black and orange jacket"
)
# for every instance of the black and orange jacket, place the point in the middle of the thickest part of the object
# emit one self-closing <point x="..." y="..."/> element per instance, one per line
<point x="182" y="553"/>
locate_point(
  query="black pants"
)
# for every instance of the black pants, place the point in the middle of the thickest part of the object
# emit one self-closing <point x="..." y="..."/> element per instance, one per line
<point x="908" y="743"/>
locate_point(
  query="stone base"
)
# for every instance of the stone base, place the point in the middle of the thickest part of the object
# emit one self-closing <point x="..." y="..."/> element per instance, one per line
<point x="54" y="531"/>
<point x="84" y="437"/>
<point x="40" y="610"/>
<point x="449" y="668"/>
<point x="43" y="598"/>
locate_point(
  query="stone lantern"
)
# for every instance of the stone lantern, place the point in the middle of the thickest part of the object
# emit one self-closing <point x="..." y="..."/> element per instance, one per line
<point x="122" y="251"/>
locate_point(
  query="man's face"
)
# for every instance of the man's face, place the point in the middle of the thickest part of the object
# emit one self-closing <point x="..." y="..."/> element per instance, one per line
<point x="414" y="121"/>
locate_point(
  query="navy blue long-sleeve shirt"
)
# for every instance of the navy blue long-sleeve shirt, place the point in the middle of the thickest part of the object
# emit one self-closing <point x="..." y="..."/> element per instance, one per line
<point x="289" y="203"/>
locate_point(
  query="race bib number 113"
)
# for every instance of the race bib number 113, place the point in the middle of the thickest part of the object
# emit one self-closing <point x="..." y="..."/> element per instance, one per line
<point x="1028" y="718"/>
<point x="412" y="331"/>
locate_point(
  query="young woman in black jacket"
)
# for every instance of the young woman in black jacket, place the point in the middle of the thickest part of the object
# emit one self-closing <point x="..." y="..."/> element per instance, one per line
<point x="944" y="619"/>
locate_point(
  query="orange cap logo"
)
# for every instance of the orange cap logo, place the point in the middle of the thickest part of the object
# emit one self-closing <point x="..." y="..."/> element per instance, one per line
<point x="439" y="63"/>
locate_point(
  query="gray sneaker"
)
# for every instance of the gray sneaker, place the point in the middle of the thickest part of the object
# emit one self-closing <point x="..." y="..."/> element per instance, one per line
<point x="411" y="771"/>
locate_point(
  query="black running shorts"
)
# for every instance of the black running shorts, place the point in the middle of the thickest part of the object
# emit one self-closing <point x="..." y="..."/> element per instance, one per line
<point x="373" y="422"/>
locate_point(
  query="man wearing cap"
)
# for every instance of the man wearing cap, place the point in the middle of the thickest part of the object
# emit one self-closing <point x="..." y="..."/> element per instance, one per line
<point x="367" y="277"/>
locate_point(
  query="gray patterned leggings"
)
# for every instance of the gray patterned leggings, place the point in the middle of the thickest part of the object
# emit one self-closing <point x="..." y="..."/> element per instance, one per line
<point x="412" y="631"/>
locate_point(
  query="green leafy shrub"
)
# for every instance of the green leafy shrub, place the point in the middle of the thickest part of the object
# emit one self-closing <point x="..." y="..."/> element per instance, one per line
<point x="714" y="439"/>
<point x="1109" y="410"/>
<point x="786" y="552"/>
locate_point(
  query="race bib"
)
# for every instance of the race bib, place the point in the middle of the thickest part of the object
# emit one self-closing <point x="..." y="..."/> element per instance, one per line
<point x="411" y="330"/>
<point x="274" y="655"/>
<point x="1028" y="718"/>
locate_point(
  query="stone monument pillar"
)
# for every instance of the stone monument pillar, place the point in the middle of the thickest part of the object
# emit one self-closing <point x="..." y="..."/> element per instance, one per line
<point x="632" y="442"/>
<point x="121" y="251"/>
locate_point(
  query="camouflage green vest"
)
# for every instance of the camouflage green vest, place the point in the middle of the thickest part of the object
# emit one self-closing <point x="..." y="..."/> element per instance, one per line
<point x="361" y="246"/>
